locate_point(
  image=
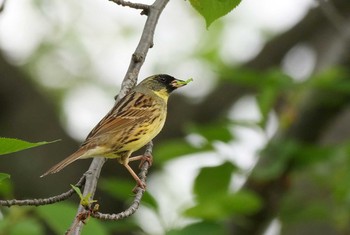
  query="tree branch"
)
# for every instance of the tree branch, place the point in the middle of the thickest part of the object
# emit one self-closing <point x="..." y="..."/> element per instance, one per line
<point x="44" y="201"/>
<point x="138" y="6"/>
<point x="129" y="81"/>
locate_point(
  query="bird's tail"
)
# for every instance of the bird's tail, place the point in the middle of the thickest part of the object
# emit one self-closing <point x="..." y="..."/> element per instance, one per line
<point x="59" y="166"/>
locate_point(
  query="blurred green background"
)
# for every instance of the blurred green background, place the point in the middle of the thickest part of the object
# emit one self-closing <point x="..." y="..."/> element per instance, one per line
<point x="257" y="144"/>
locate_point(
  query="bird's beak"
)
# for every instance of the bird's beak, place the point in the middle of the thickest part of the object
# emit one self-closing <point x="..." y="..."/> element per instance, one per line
<point x="179" y="83"/>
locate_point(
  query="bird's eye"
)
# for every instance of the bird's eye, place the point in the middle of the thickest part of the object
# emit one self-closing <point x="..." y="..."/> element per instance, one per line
<point x="162" y="79"/>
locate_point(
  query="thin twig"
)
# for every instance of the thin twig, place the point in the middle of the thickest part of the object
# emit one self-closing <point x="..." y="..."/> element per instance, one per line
<point x="138" y="6"/>
<point x="43" y="201"/>
<point x="128" y="212"/>
<point x="145" y="43"/>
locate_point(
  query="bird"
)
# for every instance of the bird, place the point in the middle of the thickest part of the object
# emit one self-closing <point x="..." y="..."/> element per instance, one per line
<point x="133" y="122"/>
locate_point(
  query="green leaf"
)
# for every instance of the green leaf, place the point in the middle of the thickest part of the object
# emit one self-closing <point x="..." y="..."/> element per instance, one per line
<point x="222" y="206"/>
<point x="4" y="176"/>
<point x="10" y="145"/>
<point x="203" y="228"/>
<point x="211" y="10"/>
<point x="77" y="190"/>
<point x="213" y="180"/>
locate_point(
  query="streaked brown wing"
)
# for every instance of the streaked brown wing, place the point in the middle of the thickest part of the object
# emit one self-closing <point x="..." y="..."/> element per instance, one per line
<point x="133" y="109"/>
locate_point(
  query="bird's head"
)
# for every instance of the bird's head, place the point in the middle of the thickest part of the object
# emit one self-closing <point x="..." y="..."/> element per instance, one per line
<point x="162" y="84"/>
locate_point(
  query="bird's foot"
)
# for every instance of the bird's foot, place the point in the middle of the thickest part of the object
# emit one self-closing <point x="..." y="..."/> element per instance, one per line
<point x="146" y="158"/>
<point x="139" y="184"/>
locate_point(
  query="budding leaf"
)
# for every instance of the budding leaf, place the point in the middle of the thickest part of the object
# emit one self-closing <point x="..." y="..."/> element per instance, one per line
<point x="84" y="200"/>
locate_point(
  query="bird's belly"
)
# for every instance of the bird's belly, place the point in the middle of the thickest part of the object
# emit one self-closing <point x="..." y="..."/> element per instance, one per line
<point x="143" y="134"/>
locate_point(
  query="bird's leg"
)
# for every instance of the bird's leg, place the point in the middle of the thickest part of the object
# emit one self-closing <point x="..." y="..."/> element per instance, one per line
<point x="144" y="158"/>
<point x="137" y="179"/>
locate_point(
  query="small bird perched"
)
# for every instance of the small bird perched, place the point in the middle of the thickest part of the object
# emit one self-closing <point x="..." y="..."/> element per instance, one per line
<point x="133" y="122"/>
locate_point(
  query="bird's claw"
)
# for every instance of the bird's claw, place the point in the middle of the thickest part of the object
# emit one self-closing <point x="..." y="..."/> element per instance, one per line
<point x="146" y="158"/>
<point x="139" y="184"/>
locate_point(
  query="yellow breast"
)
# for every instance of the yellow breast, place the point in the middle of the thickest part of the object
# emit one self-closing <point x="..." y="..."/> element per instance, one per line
<point x="143" y="134"/>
